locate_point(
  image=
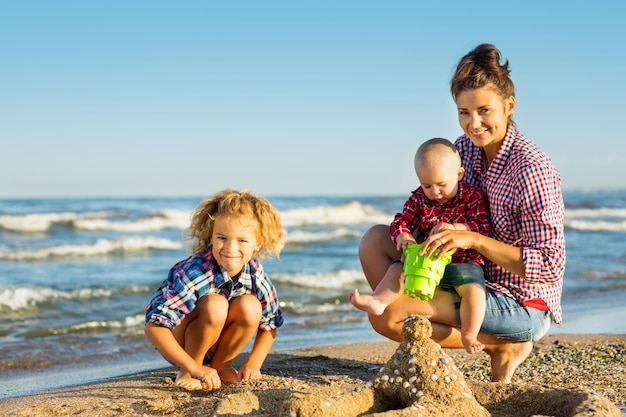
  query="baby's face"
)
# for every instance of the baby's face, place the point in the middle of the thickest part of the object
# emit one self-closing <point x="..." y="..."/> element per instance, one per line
<point x="440" y="181"/>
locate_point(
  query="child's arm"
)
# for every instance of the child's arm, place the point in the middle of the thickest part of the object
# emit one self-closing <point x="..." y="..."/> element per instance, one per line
<point x="163" y="339"/>
<point x="263" y="342"/>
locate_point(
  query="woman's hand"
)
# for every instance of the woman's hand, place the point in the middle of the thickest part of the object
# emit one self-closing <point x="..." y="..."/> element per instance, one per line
<point x="448" y="239"/>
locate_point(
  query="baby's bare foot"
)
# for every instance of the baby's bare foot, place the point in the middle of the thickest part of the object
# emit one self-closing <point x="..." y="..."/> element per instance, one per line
<point x="367" y="303"/>
<point x="471" y="344"/>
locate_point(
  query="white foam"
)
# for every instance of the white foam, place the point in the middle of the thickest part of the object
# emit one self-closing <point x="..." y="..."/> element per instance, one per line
<point x="18" y="298"/>
<point x="349" y="213"/>
<point x="99" y="247"/>
<point x="345" y="278"/>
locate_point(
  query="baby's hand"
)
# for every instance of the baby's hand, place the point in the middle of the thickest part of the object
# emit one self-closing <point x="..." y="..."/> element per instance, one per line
<point x="404" y="239"/>
<point x="441" y="227"/>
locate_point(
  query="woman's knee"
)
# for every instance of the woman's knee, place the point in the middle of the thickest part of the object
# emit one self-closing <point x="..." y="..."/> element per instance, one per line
<point x="374" y="239"/>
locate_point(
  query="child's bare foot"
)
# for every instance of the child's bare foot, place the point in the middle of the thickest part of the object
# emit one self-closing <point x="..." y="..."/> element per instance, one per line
<point x="228" y="374"/>
<point x="471" y="344"/>
<point x="203" y="378"/>
<point x="367" y="303"/>
<point x="186" y="381"/>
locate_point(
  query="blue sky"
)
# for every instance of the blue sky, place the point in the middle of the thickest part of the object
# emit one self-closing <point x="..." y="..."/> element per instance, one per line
<point x="165" y="98"/>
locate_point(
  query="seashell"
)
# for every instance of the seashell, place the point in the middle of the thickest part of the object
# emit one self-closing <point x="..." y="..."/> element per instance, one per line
<point x="385" y="378"/>
<point x="406" y="384"/>
<point x="434" y="377"/>
<point x="412" y="379"/>
<point x="447" y="379"/>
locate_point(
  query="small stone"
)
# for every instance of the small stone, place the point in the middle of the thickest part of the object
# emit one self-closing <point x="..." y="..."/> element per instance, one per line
<point x="434" y="377"/>
<point x="447" y="379"/>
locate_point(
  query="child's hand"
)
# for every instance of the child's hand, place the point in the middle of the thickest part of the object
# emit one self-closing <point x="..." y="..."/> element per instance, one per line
<point x="247" y="374"/>
<point x="208" y="377"/>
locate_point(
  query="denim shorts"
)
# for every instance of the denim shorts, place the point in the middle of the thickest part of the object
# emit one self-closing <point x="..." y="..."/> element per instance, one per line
<point x="505" y="318"/>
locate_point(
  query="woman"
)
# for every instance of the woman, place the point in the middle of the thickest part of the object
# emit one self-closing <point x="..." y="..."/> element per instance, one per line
<point x="525" y="251"/>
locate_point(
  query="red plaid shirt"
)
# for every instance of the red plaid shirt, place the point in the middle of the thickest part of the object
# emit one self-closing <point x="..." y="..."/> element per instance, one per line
<point x="526" y="204"/>
<point x="420" y="215"/>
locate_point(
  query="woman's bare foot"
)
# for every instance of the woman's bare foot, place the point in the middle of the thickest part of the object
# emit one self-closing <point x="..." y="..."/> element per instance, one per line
<point x="186" y="381"/>
<point x="505" y="359"/>
<point x="367" y="303"/>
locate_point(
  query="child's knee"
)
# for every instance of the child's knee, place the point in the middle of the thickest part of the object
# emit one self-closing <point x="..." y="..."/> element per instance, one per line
<point x="247" y="309"/>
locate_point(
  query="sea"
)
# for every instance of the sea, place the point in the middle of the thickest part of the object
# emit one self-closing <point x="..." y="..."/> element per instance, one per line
<point x="77" y="273"/>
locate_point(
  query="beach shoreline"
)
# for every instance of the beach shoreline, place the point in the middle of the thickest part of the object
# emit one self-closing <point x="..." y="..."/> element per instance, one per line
<point x="595" y="362"/>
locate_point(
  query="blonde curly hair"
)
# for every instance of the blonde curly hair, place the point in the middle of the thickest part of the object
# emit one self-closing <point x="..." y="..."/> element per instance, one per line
<point x="231" y="202"/>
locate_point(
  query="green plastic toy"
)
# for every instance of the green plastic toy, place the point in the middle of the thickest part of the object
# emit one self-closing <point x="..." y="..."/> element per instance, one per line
<point x="421" y="274"/>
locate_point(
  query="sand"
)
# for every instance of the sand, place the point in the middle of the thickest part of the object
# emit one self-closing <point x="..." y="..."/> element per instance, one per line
<point x="565" y="375"/>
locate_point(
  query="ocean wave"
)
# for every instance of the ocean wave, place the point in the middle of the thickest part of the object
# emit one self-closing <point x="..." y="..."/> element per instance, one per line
<point x="596" y="226"/>
<point x="99" y="326"/>
<point x="114" y="221"/>
<point x="98" y="248"/>
<point x="303" y="236"/>
<point x="161" y="220"/>
<point x="348" y="213"/>
<point x="342" y="279"/>
<point x="20" y="298"/>
<point x="596" y="220"/>
<point x="96" y="221"/>
<point x="597" y="212"/>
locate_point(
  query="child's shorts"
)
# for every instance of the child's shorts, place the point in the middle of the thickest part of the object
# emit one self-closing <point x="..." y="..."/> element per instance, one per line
<point x="456" y="275"/>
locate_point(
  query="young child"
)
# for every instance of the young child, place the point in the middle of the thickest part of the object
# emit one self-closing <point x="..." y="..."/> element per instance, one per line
<point x="213" y="302"/>
<point x="441" y="202"/>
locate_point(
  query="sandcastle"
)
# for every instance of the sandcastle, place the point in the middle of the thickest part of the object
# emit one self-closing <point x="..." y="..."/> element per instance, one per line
<point x="422" y="376"/>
